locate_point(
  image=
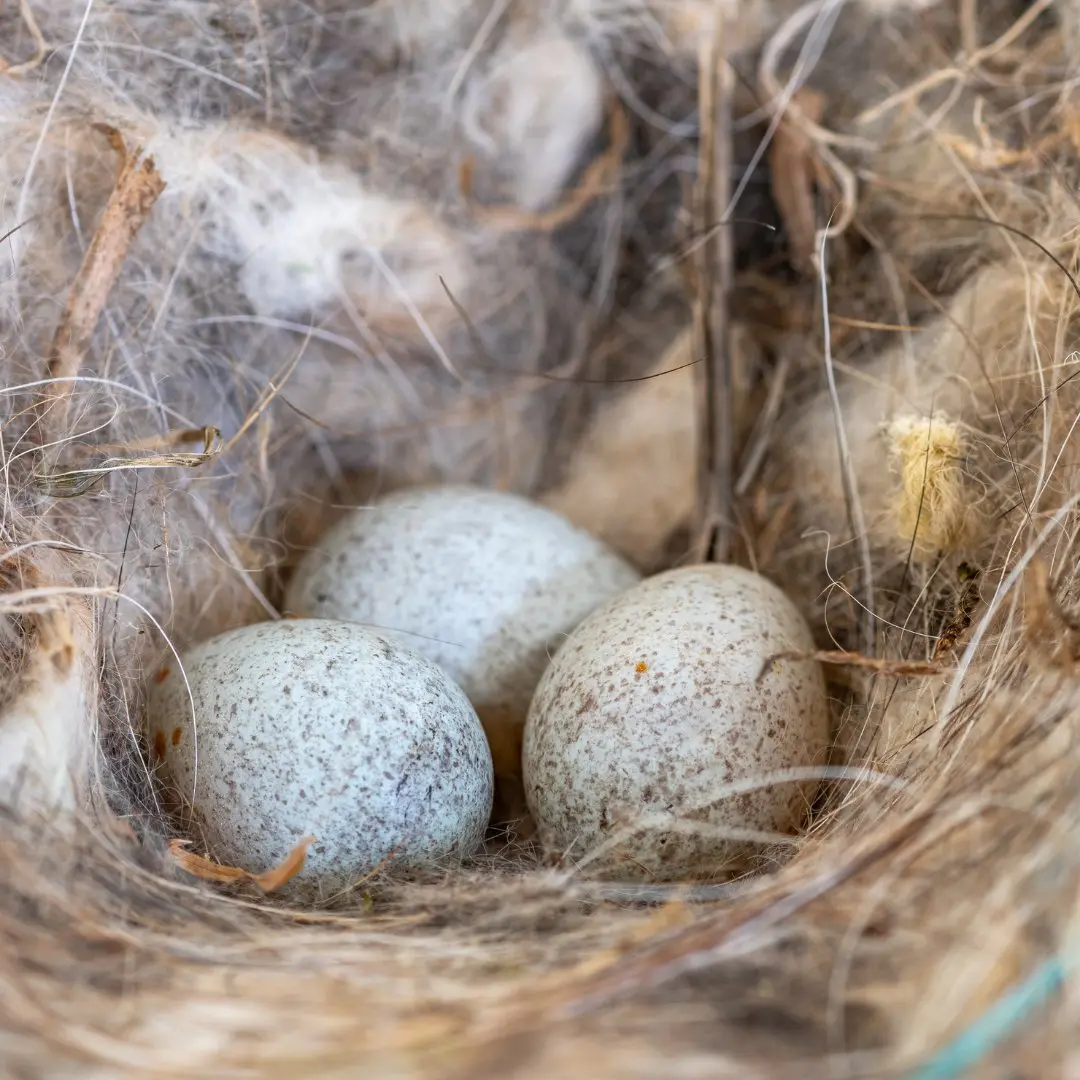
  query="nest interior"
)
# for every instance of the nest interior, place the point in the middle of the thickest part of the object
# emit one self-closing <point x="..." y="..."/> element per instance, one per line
<point x="263" y="261"/>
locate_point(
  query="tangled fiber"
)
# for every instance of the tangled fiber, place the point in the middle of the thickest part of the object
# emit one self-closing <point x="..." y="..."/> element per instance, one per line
<point x="264" y="260"/>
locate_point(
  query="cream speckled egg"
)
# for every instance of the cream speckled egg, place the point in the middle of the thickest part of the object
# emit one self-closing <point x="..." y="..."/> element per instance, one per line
<point x="314" y="727"/>
<point x="653" y="705"/>
<point x="484" y="583"/>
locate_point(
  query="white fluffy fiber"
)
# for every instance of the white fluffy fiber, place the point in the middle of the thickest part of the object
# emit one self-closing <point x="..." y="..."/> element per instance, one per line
<point x="535" y="110"/>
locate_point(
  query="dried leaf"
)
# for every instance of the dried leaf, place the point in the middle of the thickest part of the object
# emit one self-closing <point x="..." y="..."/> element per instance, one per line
<point x="208" y="870"/>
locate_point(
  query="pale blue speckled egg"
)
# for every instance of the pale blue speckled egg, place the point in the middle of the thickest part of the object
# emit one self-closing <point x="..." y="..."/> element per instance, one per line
<point x="484" y="583"/>
<point x="659" y="737"/>
<point x="322" y="728"/>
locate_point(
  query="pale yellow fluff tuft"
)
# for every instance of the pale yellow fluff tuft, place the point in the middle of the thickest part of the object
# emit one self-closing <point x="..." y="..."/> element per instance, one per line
<point x="935" y="508"/>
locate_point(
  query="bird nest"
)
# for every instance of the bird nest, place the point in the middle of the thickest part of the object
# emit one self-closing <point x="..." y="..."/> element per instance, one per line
<point x="786" y="286"/>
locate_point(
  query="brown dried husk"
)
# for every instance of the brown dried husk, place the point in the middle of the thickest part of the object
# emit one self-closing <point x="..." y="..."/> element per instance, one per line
<point x="938" y="868"/>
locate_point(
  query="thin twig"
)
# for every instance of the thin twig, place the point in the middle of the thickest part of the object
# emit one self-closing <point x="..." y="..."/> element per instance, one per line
<point x="843" y="658"/>
<point x="137" y="188"/>
<point x="712" y="280"/>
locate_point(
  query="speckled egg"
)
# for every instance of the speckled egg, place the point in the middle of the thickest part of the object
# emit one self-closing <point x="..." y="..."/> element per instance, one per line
<point x="485" y="584"/>
<point x="319" y="728"/>
<point x="654" y="706"/>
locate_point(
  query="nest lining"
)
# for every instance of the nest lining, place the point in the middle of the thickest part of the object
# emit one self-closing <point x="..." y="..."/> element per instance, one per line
<point x="277" y="289"/>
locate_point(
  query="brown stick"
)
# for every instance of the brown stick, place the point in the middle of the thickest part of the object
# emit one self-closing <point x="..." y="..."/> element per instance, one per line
<point x="138" y="186"/>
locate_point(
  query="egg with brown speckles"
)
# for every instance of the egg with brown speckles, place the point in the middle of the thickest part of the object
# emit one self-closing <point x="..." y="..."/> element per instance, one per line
<point x="486" y="584"/>
<point x="320" y="728"/>
<point x="652" y="736"/>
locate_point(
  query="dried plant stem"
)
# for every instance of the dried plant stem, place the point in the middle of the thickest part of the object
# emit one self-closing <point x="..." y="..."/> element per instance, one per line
<point x="712" y="279"/>
<point x="137" y="188"/>
<point x="843" y="658"/>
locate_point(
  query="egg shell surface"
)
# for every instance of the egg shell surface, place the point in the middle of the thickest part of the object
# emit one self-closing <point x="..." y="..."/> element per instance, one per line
<point x="485" y="584"/>
<point x="654" y="704"/>
<point x="325" y="729"/>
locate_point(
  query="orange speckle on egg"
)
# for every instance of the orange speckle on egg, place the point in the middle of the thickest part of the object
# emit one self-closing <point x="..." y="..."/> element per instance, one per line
<point x="161" y="676"/>
<point x="641" y="667"/>
<point x="159" y="744"/>
<point x="177" y="735"/>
